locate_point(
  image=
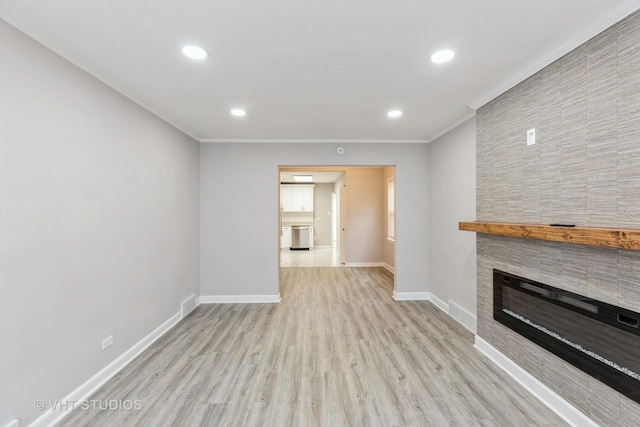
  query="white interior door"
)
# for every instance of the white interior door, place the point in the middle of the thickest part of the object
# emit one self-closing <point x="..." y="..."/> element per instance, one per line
<point x="334" y="220"/>
<point x="342" y="241"/>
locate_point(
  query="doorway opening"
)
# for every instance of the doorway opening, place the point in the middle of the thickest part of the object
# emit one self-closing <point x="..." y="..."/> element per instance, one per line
<point x="336" y="216"/>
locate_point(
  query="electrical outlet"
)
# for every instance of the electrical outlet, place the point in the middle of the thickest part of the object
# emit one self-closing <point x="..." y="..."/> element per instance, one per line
<point x="107" y="342"/>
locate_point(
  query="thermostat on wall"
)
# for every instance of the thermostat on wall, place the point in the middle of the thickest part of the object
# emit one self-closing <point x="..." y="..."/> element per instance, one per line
<point x="340" y="150"/>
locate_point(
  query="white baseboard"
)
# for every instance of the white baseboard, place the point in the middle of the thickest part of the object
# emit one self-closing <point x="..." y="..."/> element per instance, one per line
<point x="439" y="303"/>
<point x="557" y="404"/>
<point x="452" y="309"/>
<point x="364" y="264"/>
<point x="410" y="296"/>
<point x="237" y="299"/>
<point x="389" y="267"/>
<point x="82" y="393"/>
<point x="462" y="316"/>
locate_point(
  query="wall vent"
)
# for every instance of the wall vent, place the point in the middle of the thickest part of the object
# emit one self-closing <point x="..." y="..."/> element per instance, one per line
<point x="463" y="317"/>
<point x="188" y="305"/>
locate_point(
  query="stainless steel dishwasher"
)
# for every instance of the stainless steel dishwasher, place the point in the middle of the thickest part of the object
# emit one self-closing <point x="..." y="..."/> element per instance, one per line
<point x="299" y="237"/>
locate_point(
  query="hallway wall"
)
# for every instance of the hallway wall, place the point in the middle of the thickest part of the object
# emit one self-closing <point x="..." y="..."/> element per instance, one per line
<point x="230" y="237"/>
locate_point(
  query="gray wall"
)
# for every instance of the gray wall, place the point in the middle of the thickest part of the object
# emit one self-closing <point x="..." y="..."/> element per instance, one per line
<point x="98" y="224"/>
<point x="239" y="249"/>
<point x="584" y="169"/>
<point x="322" y="214"/>
<point x="452" y="198"/>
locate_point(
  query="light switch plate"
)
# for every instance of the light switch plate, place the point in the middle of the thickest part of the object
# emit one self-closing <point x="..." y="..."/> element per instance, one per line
<point x="531" y="136"/>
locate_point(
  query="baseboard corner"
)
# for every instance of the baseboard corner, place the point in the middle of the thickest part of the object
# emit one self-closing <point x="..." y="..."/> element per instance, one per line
<point x="410" y="296"/>
<point x="389" y="268"/>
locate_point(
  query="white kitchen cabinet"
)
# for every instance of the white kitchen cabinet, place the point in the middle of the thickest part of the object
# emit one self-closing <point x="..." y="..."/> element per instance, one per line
<point x="286" y="198"/>
<point x="311" y="236"/>
<point x="285" y="237"/>
<point x="303" y="198"/>
<point x="296" y="198"/>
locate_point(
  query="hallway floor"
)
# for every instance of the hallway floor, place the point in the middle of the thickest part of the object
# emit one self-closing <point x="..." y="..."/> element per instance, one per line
<point x="316" y="257"/>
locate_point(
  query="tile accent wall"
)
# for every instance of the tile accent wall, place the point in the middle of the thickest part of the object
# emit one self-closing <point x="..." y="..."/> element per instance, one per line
<point x="584" y="169"/>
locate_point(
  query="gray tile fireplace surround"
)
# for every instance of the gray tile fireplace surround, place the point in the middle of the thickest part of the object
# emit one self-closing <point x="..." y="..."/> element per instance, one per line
<point x="584" y="270"/>
<point x="584" y="169"/>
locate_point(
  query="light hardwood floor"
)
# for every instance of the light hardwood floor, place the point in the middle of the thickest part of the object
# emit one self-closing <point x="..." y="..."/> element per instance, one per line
<point x="337" y="351"/>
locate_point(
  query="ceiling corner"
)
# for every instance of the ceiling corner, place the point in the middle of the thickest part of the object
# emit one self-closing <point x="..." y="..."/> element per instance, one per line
<point x="537" y="64"/>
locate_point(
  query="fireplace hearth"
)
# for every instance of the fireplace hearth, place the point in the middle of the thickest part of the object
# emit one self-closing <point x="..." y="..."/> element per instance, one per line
<point x="599" y="338"/>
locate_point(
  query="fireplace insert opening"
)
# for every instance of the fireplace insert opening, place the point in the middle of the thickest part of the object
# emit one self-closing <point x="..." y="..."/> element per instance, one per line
<point x="599" y="338"/>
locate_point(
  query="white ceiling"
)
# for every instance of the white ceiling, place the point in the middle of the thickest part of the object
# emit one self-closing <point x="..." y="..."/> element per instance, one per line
<point x="313" y="70"/>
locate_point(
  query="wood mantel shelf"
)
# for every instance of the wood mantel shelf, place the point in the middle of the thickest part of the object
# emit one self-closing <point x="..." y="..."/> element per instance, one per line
<point x="618" y="238"/>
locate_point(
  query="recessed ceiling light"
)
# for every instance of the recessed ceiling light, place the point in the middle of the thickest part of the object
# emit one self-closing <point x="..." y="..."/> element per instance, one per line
<point x="444" y="55"/>
<point x="194" y="52"/>
<point x="303" y="178"/>
<point x="238" y="112"/>
<point x="394" y="113"/>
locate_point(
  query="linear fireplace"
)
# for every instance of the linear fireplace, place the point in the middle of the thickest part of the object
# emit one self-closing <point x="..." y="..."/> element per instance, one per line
<point x="601" y="339"/>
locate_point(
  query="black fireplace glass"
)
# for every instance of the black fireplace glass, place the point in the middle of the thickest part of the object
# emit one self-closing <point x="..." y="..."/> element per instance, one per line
<point x="601" y="339"/>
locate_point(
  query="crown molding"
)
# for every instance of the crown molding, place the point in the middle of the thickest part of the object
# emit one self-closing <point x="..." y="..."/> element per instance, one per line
<point x="454" y="125"/>
<point x="99" y="78"/>
<point x="316" y="141"/>
<point x="587" y="33"/>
